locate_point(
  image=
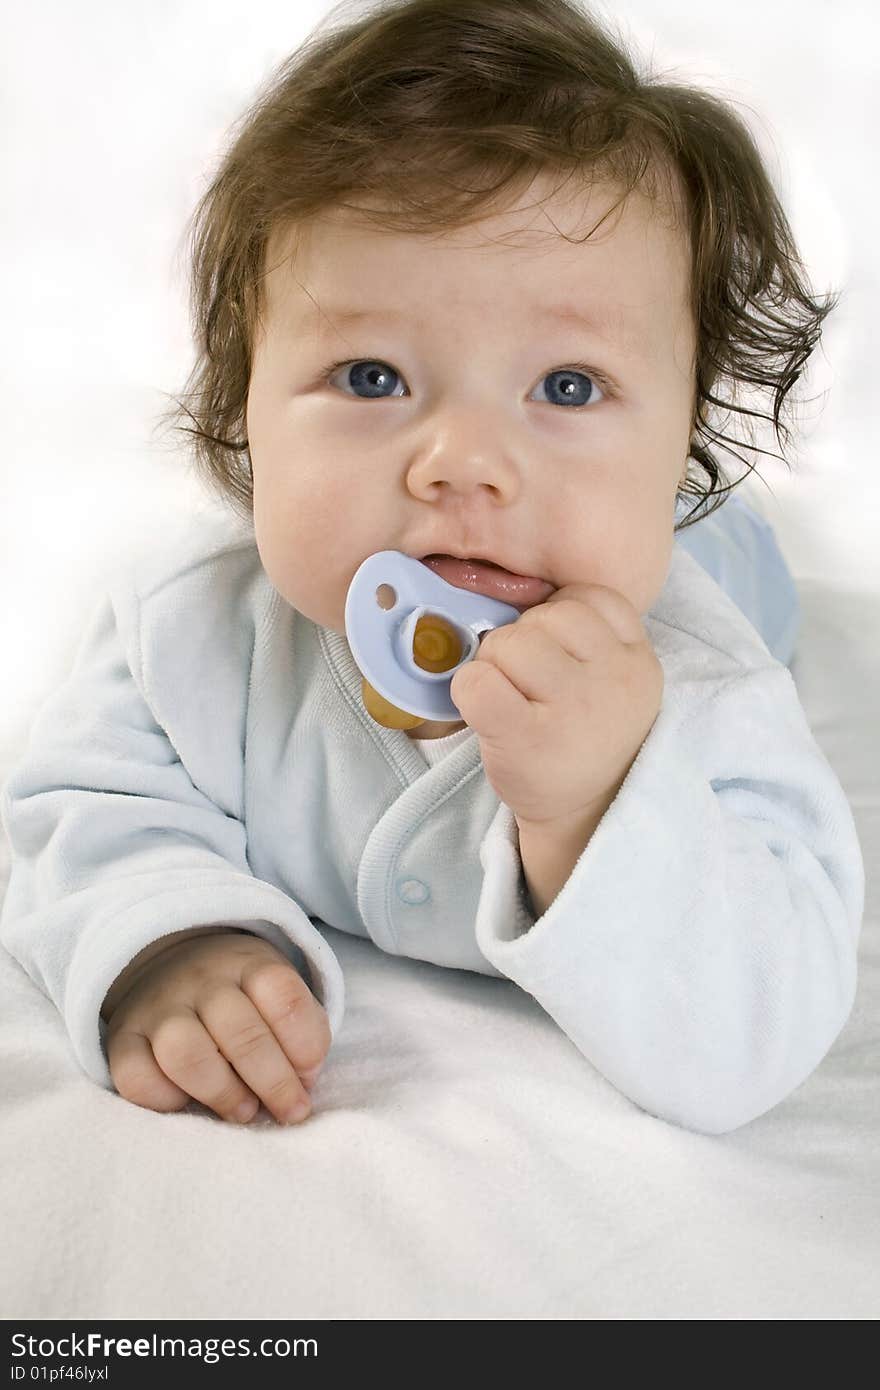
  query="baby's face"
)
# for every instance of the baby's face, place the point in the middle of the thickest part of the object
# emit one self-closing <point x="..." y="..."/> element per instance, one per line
<point x="468" y="417"/>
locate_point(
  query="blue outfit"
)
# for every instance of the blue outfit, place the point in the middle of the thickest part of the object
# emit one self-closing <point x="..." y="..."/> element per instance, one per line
<point x="738" y="548"/>
<point x="209" y="761"/>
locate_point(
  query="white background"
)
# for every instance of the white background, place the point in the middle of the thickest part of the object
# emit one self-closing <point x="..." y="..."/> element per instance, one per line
<point x="114" y="117"/>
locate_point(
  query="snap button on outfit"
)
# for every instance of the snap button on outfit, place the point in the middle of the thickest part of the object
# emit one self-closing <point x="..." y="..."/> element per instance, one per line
<point x="412" y="891"/>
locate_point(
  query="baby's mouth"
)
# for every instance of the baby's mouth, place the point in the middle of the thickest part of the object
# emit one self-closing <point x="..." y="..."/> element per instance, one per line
<point x="485" y="577"/>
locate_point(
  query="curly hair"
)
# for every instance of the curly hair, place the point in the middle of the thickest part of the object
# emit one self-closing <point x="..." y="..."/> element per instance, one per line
<point x="438" y="108"/>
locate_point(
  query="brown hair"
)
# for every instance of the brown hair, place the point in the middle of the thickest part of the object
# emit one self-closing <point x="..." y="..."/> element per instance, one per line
<point x="484" y="95"/>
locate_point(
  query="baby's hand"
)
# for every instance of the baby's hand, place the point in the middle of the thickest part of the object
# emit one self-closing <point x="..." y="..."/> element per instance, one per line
<point x="225" y="1020"/>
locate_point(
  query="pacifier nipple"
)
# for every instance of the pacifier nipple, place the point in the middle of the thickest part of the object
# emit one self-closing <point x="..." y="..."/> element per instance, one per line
<point x="386" y="714"/>
<point x="436" y="647"/>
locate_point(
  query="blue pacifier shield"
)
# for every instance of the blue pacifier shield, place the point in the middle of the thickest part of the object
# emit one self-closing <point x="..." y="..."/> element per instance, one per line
<point x="388" y="595"/>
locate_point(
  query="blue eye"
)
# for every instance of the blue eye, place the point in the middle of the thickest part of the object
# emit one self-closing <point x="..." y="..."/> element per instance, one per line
<point x="372" y="377"/>
<point x="572" y="387"/>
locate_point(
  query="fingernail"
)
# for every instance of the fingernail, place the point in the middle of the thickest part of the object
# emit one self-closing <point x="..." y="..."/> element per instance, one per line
<point x="246" y="1111"/>
<point x="308" y="1078"/>
<point x="298" y="1112"/>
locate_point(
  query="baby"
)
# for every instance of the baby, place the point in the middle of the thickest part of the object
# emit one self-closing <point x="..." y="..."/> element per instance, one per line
<point x="465" y="285"/>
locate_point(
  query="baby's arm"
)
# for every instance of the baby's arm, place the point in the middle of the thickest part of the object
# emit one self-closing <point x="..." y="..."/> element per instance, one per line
<point x="702" y="953"/>
<point x="114" y="848"/>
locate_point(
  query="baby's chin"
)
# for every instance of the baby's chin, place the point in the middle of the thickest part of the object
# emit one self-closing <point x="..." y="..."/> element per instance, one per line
<point x="325" y="610"/>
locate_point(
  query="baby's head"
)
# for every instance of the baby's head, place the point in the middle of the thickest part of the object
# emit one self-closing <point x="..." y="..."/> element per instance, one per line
<point x="466" y="283"/>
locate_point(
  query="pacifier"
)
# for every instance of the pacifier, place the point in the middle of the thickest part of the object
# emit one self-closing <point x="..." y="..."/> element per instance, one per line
<point x="409" y="632"/>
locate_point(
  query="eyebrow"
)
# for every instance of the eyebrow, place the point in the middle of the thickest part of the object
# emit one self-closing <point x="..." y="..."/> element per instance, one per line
<point x="601" y="324"/>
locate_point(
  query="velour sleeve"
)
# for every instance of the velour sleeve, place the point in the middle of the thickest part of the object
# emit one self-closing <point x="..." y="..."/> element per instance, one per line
<point x="113" y="847"/>
<point x="702" y="953"/>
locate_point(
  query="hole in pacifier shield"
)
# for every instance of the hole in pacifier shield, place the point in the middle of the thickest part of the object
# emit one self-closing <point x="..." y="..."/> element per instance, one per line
<point x="386" y="597"/>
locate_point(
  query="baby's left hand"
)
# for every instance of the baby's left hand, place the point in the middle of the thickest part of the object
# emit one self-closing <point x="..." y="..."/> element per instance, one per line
<point x="562" y="700"/>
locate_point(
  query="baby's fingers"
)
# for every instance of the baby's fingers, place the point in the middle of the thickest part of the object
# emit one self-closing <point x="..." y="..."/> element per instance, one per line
<point x="297" y="1019"/>
<point x="137" y="1075"/>
<point x="189" y="1057"/>
<point x="245" y="1038"/>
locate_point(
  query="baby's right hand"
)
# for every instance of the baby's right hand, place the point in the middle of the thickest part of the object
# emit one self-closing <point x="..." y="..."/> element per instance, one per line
<point x="222" y="1019"/>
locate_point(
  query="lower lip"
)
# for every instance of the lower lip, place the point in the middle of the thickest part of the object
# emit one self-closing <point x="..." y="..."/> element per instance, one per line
<point x="519" y="590"/>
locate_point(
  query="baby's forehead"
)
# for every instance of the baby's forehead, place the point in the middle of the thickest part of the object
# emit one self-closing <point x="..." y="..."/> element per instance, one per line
<point x="588" y="250"/>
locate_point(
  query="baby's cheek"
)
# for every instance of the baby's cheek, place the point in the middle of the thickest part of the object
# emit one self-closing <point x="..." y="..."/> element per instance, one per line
<point x="638" y="564"/>
<point x="651" y="574"/>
